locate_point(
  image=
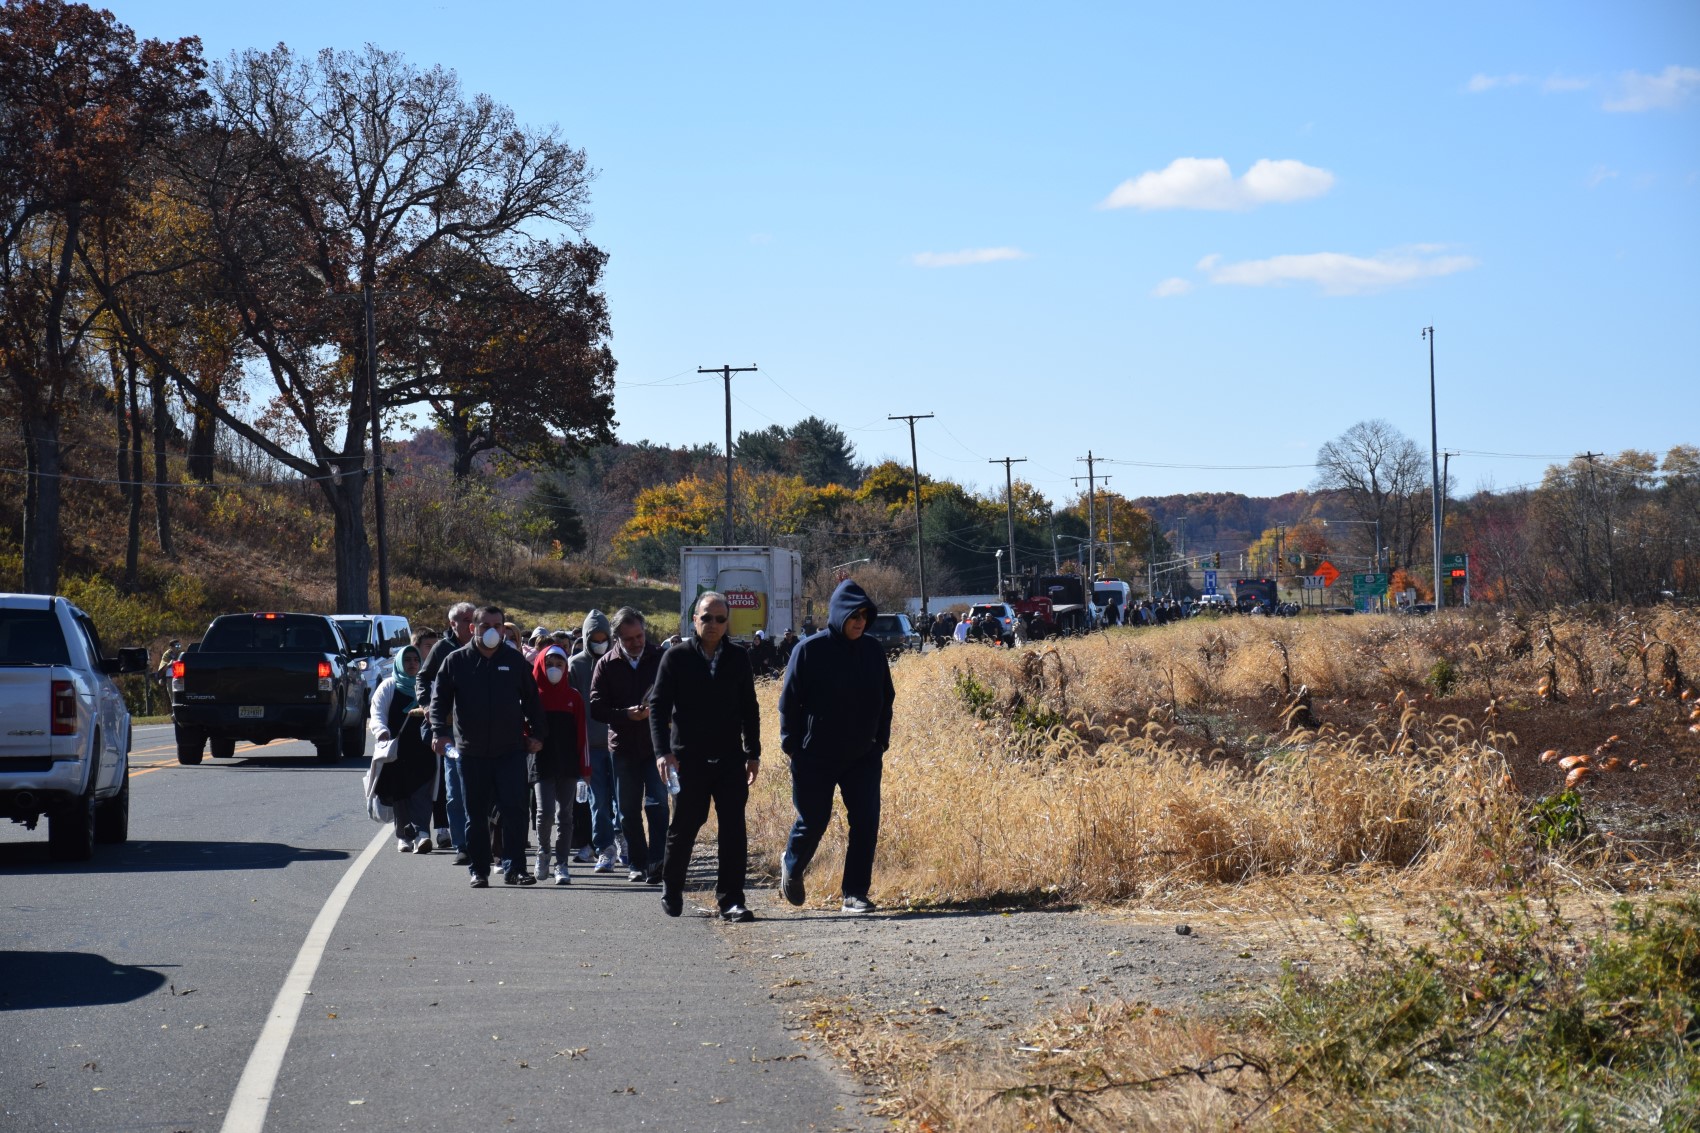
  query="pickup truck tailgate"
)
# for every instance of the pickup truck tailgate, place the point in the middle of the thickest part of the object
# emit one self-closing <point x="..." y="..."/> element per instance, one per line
<point x="248" y="679"/>
<point x="26" y="713"/>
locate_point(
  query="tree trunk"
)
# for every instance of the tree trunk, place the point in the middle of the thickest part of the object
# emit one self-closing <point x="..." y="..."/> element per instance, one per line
<point x="132" y="548"/>
<point x="41" y="505"/>
<point x="201" y="446"/>
<point x="161" y="435"/>
<point x="353" y="558"/>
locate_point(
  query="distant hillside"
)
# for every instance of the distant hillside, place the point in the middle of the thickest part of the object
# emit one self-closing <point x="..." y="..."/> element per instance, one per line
<point x="1229" y="521"/>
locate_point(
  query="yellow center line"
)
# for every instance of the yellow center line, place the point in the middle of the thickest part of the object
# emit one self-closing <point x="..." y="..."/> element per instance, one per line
<point x="160" y="764"/>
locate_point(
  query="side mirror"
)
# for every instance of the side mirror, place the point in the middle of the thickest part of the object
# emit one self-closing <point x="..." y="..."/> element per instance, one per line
<point x="130" y="660"/>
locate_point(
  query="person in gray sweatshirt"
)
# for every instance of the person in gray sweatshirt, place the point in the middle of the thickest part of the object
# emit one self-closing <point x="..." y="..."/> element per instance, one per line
<point x="604" y="815"/>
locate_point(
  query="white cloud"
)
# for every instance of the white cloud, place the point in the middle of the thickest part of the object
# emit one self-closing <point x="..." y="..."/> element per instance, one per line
<point x="1208" y="183"/>
<point x="1337" y="273"/>
<point x="1563" y="84"/>
<point x="965" y="257"/>
<point x="1171" y="287"/>
<point x="1600" y="176"/>
<point x="1662" y="91"/>
<point x="1479" y="82"/>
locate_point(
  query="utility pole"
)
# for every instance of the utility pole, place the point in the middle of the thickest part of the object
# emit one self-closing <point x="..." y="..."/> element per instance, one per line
<point x="726" y="373"/>
<point x="1110" y="525"/>
<point x="1091" y="524"/>
<point x="1594" y="494"/>
<point x="915" y="467"/>
<point x="1434" y="461"/>
<point x="1009" y="502"/>
<point x="377" y="454"/>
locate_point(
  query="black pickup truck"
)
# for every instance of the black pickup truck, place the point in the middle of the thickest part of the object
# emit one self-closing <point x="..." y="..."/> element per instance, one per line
<point x="269" y="676"/>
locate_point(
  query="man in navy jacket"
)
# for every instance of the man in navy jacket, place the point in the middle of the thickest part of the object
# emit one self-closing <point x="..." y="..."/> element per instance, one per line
<point x="835" y="724"/>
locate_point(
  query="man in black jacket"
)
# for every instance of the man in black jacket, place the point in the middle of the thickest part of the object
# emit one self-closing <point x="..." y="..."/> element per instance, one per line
<point x="835" y="724"/>
<point x="485" y="698"/>
<point x="449" y="809"/>
<point x="619" y="697"/>
<point x="706" y="726"/>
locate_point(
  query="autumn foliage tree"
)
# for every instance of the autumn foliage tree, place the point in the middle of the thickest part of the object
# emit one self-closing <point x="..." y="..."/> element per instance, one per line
<point x="82" y="100"/>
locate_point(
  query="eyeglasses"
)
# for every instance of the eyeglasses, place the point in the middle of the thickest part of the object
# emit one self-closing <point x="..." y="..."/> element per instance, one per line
<point x="716" y="619"/>
<point x="858" y="616"/>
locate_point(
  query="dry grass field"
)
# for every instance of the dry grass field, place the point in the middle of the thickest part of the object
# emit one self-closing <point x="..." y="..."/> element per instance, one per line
<point x="1400" y="763"/>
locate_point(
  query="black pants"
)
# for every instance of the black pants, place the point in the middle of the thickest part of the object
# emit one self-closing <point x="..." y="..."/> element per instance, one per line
<point x="499" y="781"/>
<point x="813" y="781"/>
<point x="723" y="783"/>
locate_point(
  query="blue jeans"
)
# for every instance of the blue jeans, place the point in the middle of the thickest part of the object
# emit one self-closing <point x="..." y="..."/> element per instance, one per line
<point x="641" y="795"/>
<point x="454" y="801"/>
<point x="813" y="780"/>
<point x="603" y="808"/>
<point x="499" y="781"/>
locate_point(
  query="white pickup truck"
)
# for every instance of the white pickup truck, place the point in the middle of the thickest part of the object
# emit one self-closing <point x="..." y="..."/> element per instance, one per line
<point x="64" y="727"/>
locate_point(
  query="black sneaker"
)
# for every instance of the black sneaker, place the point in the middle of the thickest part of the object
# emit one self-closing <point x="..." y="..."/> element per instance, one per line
<point x="481" y="881"/>
<point x="672" y="903"/>
<point x="737" y="914"/>
<point x="518" y="877"/>
<point x="653" y="877"/>
<point x="857" y="905"/>
<point x="791" y="886"/>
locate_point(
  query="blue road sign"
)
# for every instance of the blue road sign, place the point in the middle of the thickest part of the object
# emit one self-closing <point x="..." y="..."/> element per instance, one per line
<point x="1210" y="582"/>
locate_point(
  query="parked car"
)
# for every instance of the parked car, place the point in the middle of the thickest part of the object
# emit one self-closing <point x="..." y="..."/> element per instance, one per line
<point x="993" y="621"/>
<point x="383" y="634"/>
<point x="268" y="676"/>
<point x="65" y="748"/>
<point x="895" y="633"/>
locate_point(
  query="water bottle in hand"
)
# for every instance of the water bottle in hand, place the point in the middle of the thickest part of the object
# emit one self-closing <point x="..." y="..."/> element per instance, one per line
<point x="582" y="792"/>
<point x="672" y="780"/>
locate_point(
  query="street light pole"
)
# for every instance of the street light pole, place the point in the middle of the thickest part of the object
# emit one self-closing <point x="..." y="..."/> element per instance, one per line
<point x="1434" y="460"/>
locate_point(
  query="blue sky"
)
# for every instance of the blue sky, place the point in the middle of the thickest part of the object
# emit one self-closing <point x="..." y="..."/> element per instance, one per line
<point x="1179" y="236"/>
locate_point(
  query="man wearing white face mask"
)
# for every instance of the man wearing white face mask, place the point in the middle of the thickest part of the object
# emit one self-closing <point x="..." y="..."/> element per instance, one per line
<point x="486" y="699"/>
<point x="603" y="823"/>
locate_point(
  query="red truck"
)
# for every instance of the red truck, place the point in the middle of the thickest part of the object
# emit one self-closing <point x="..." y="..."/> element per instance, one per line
<point x="1053" y="603"/>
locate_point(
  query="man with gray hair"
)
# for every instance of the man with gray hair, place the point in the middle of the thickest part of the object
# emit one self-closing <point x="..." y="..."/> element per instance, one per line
<point x="706" y="728"/>
<point x="461" y="617"/>
<point x="619" y="697"/>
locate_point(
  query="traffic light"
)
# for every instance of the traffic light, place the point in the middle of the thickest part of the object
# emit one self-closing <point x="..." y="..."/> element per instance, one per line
<point x="1218" y="560"/>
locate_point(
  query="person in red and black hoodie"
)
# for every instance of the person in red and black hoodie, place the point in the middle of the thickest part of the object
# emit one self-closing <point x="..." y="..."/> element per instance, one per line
<point x="560" y="764"/>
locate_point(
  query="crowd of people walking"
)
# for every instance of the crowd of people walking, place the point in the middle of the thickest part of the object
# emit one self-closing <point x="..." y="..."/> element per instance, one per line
<point x="612" y="748"/>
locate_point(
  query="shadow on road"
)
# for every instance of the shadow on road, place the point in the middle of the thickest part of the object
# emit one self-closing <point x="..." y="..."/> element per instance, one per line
<point x="30" y="981"/>
<point x="244" y="762"/>
<point x="156" y="856"/>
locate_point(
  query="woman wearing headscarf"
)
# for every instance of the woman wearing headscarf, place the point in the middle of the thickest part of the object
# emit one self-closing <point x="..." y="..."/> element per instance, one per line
<point x="403" y="775"/>
<point x="561" y="764"/>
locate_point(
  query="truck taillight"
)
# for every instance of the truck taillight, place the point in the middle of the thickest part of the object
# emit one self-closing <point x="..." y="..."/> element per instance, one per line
<point x="64" y="708"/>
<point x="177" y="668"/>
<point x="324" y="669"/>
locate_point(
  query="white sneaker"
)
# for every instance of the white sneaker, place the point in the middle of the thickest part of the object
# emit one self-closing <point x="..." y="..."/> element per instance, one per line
<point x="605" y="863"/>
<point x="422" y="844"/>
<point x="585" y="854"/>
<point x="562" y="877"/>
<point x="403" y="846"/>
<point x="544" y="863"/>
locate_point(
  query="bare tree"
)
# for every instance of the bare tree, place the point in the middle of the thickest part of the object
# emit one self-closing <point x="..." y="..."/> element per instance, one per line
<point x="1383" y="476"/>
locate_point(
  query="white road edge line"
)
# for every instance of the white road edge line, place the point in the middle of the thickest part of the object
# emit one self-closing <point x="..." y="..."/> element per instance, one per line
<point x="253" y="1096"/>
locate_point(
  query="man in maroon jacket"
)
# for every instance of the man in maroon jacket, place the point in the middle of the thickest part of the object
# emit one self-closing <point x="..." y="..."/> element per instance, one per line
<point x="619" y="695"/>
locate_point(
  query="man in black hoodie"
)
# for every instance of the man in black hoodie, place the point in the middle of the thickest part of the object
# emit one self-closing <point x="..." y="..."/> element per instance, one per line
<point x="706" y="727"/>
<point x="835" y="724"/>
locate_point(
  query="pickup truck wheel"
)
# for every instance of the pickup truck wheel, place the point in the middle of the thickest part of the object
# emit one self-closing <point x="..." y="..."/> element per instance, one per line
<point x="70" y="833"/>
<point x="223" y="747"/>
<point x="329" y="747"/>
<point x="354" y="740"/>
<point x="189" y="745"/>
<point x="112" y="817"/>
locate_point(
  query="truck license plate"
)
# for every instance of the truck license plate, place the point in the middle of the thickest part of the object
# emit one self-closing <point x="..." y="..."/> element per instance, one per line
<point x="251" y="712"/>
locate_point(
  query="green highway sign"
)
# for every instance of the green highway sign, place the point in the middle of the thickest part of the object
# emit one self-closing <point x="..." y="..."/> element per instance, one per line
<point x="1368" y="585"/>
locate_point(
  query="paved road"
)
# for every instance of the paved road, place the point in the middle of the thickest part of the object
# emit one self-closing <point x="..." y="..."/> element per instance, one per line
<point x="133" y="988"/>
